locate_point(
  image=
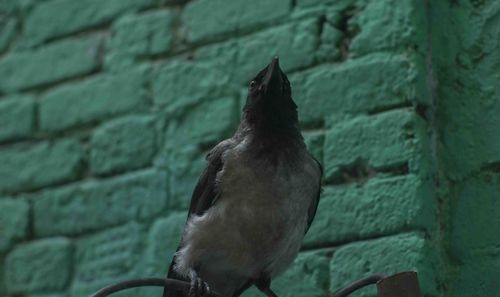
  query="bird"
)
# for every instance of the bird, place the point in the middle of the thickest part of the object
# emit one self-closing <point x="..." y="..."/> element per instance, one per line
<point x="255" y="200"/>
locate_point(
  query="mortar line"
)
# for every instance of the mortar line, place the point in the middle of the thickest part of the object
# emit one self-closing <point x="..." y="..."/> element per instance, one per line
<point x="443" y="200"/>
<point x="340" y="243"/>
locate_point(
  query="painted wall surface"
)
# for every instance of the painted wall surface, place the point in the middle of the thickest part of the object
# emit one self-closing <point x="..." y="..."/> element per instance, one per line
<point x="107" y="108"/>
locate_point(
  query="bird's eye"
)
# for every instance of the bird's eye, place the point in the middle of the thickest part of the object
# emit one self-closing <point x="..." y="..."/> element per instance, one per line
<point x="252" y="83"/>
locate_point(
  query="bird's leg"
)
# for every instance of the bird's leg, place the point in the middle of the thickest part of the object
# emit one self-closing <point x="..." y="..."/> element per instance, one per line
<point x="269" y="292"/>
<point x="264" y="285"/>
<point x="198" y="288"/>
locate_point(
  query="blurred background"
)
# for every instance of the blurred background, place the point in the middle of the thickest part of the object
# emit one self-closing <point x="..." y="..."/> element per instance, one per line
<point x="107" y="108"/>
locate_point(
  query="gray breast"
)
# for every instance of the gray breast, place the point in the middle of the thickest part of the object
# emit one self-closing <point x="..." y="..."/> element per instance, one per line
<point x="269" y="204"/>
<point x="258" y="221"/>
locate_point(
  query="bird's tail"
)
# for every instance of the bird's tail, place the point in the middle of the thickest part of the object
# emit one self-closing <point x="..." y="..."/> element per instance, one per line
<point x="169" y="292"/>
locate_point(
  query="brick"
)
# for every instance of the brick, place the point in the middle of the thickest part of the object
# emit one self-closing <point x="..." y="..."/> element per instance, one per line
<point x="242" y="98"/>
<point x="205" y="124"/>
<point x="168" y="2"/>
<point x="220" y="56"/>
<point x="41" y="265"/>
<point x="387" y="25"/>
<point x="387" y="255"/>
<point x="7" y="7"/>
<point x="39" y="165"/>
<point x="477" y="145"/>
<point x="7" y="31"/>
<point x="146" y="34"/>
<point x="305" y="3"/>
<point x="378" y="142"/>
<point x="308" y="276"/>
<point x="92" y="100"/>
<point x="12" y="8"/>
<point x="97" y="204"/>
<point x="106" y="257"/>
<point x="314" y="142"/>
<point x="382" y="81"/>
<point x="353" y="211"/>
<point x="17" y="117"/>
<point x="140" y="35"/>
<point x="474" y="212"/>
<point x="186" y="137"/>
<point x="43" y="24"/>
<point x="185" y="165"/>
<point x="57" y="61"/>
<point x="330" y="39"/>
<point x="59" y="294"/>
<point x="294" y="43"/>
<point x="163" y="240"/>
<point x="466" y="282"/>
<point x="179" y="84"/>
<point x="123" y="144"/>
<point x="13" y="222"/>
<point x="2" y="278"/>
<point x="235" y="16"/>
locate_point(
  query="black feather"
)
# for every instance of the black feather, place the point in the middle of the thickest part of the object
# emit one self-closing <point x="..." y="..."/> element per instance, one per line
<point x="311" y="213"/>
<point x="204" y="196"/>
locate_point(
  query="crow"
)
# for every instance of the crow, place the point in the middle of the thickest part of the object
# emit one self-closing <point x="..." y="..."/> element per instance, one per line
<point x="255" y="200"/>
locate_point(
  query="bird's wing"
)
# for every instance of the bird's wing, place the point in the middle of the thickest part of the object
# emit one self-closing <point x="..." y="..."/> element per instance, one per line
<point x="204" y="195"/>
<point x="311" y="212"/>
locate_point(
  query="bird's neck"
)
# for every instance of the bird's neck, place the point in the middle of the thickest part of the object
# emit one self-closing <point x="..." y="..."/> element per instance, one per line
<point x="288" y="134"/>
<point x="272" y="138"/>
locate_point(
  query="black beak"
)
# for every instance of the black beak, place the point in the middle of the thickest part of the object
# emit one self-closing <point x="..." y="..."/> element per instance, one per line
<point x="272" y="79"/>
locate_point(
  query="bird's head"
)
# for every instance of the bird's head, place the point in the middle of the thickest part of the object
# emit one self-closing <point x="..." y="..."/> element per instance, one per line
<point x="269" y="102"/>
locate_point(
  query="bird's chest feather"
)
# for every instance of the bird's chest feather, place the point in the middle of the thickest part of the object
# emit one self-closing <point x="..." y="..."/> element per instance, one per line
<point x="263" y="209"/>
<point x="260" y="190"/>
<point x="258" y="219"/>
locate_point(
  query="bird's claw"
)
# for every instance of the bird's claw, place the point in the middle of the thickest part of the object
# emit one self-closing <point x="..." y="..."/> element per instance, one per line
<point x="198" y="288"/>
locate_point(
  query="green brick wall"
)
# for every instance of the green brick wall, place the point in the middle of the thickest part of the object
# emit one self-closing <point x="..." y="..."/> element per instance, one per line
<point x="107" y="108"/>
<point x="468" y="117"/>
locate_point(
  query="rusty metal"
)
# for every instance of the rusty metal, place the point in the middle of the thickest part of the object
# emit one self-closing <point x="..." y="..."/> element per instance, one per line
<point x="404" y="284"/>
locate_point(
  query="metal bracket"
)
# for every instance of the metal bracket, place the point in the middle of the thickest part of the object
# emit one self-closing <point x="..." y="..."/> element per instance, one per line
<point x="404" y="284"/>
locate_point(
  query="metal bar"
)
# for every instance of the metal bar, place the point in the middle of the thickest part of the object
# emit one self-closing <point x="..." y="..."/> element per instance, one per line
<point x="404" y="284"/>
<point x="146" y="282"/>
